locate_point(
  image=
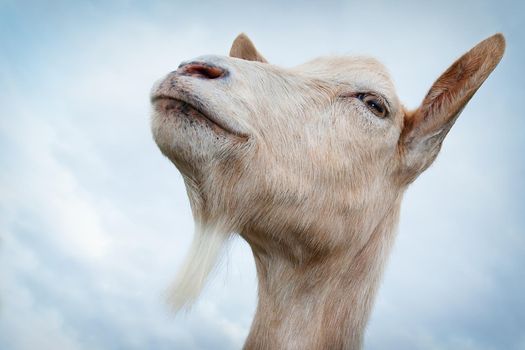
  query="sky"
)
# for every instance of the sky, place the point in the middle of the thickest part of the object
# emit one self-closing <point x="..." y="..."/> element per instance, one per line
<point x="94" y="221"/>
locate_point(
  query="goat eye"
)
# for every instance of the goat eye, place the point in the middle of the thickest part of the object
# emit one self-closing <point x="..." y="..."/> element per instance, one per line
<point x="374" y="104"/>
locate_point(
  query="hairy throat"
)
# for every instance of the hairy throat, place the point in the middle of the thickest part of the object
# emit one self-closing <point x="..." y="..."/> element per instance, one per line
<point x="323" y="302"/>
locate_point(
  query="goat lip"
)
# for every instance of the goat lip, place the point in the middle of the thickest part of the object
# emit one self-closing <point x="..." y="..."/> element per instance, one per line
<point x="205" y="115"/>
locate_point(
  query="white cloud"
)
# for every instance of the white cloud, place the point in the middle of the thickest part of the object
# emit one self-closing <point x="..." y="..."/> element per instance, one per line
<point x="94" y="221"/>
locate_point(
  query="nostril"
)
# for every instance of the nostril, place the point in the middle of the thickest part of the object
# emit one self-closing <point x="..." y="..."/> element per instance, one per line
<point x="202" y="70"/>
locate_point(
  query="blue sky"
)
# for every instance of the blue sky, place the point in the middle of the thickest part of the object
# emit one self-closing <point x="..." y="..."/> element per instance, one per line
<point x="94" y="221"/>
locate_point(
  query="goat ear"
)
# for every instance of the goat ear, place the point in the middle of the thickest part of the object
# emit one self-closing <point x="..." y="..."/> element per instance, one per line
<point x="426" y="127"/>
<point x="243" y="48"/>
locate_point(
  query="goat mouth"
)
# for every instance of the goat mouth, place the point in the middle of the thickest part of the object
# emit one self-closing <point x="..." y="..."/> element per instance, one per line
<point x="174" y="106"/>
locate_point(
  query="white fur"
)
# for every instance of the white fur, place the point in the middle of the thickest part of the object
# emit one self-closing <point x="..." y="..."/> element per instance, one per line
<point x="308" y="173"/>
<point x="207" y="245"/>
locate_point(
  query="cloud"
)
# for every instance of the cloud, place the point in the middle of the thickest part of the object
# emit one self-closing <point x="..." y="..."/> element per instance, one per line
<point x="94" y="221"/>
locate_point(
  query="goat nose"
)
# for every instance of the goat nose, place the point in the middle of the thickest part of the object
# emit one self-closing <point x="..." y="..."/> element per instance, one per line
<point x="201" y="70"/>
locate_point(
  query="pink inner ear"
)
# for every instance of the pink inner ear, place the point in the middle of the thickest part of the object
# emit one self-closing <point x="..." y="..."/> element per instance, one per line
<point x="425" y="128"/>
<point x="454" y="88"/>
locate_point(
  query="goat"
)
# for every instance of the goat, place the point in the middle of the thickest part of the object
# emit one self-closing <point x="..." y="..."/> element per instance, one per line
<point x="309" y="166"/>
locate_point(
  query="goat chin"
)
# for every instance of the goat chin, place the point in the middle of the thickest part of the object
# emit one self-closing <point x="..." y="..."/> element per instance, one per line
<point x="209" y="242"/>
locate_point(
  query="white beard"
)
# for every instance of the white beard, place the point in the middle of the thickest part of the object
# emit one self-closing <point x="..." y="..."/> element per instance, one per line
<point x="209" y="242"/>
